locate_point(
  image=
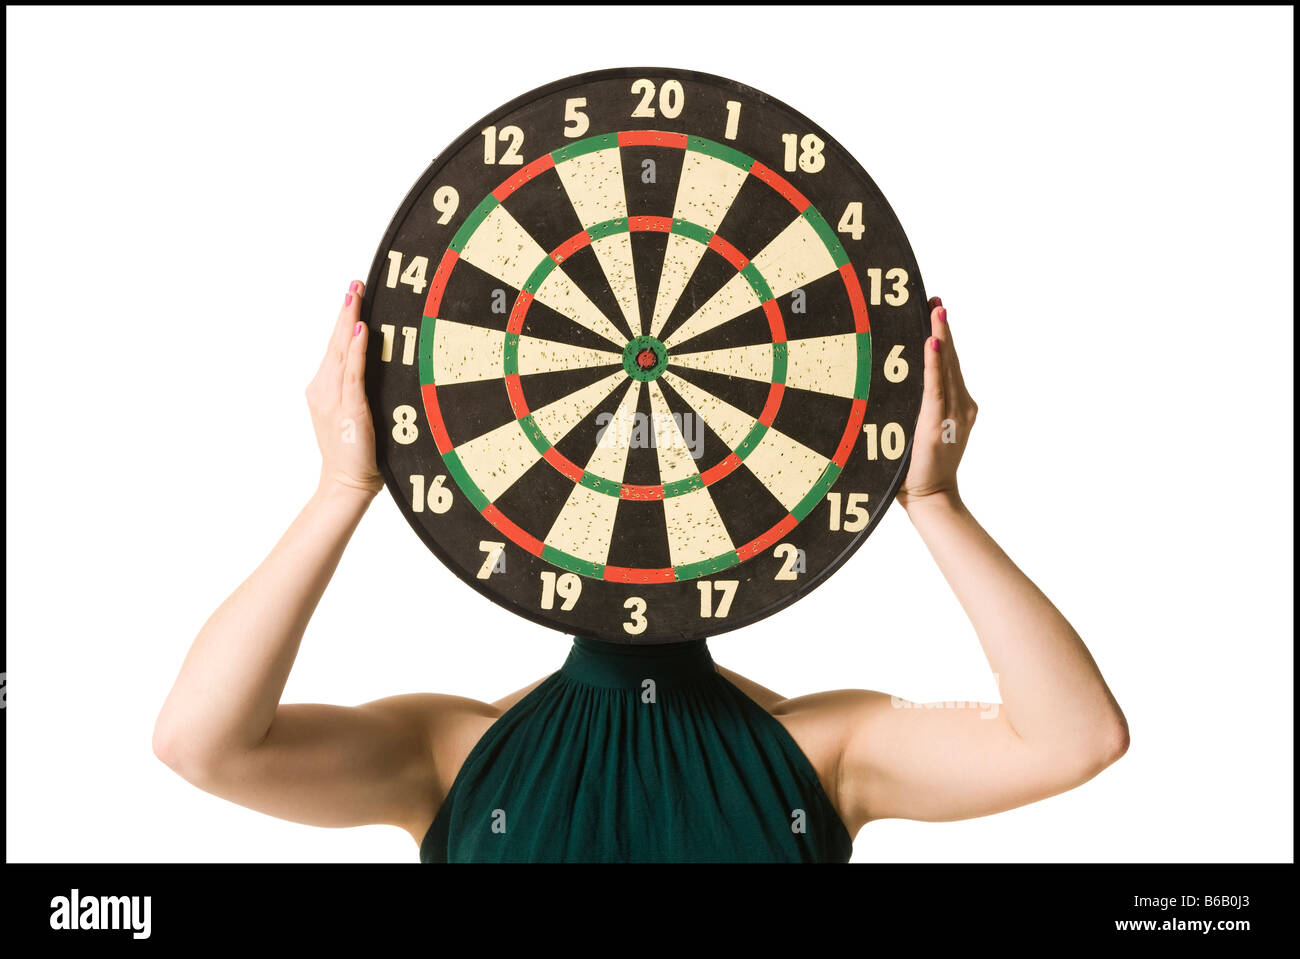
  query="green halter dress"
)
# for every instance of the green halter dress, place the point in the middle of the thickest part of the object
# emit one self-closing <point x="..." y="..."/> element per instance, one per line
<point x="636" y="754"/>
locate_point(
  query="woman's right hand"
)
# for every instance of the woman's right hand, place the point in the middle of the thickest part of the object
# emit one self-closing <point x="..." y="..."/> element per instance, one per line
<point x="224" y="727"/>
<point x="945" y="421"/>
<point x="340" y="414"/>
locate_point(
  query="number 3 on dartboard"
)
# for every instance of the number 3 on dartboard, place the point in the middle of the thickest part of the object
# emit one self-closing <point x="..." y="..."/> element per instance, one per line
<point x="637" y="624"/>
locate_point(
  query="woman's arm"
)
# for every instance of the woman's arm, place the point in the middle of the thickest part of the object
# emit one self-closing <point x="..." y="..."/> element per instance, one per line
<point x="223" y="728"/>
<point x="1058" y="724"/>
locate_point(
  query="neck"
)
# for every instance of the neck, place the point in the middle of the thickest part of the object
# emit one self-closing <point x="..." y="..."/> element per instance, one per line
<point x="594" y="662"/>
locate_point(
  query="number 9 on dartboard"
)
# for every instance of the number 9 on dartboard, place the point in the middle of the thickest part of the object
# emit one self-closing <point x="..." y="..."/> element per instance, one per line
<point x="645" y="355"/>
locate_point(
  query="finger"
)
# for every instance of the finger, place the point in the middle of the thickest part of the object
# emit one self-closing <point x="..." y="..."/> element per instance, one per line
<point x="939" y="321"/>
<point x="960" y="394"/>
<point x="349" y="313"/>
<point x="952" y="366"/>
<point x="939" y="324"/>
<point x="353" y="387"/>
<point x="934" y="393"/>
<point x="948" y="356"/>
<point x="939" y="327"/>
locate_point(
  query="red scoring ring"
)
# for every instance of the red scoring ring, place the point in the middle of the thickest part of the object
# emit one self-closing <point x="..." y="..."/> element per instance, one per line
<point x="662" y="224"/>
<point x="657" y="224"/>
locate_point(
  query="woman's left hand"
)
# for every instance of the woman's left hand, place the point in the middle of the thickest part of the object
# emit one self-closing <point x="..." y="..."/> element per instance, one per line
<point x="944" y="425"/>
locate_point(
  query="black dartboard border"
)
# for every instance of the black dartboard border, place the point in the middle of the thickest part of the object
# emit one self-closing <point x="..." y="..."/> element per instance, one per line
<point x="379" y="263"/>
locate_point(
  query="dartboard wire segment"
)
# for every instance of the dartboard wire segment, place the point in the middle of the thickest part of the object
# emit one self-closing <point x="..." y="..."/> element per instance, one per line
<point x="628" y="393"/>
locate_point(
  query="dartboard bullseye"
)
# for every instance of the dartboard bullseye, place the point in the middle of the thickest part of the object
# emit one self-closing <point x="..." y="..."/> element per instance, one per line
<point x="646" y="355"/>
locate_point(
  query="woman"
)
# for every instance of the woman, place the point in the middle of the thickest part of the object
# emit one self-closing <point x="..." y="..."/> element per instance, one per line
<point x="633" y="753"/>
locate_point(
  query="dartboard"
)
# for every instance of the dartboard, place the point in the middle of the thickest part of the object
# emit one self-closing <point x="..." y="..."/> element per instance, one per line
<point x="645" y="355"/>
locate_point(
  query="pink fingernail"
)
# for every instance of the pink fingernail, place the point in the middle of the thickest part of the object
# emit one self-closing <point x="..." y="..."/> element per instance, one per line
<point x="347" y="300"/>
<point x="354" y="287"/>
<point x="943" y="315"/>
<point x="934" y="343"/>
<point x="356" y="330"/>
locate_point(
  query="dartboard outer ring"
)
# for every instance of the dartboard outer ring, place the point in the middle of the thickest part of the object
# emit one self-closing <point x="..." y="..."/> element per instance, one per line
<point x="883" y="215"/>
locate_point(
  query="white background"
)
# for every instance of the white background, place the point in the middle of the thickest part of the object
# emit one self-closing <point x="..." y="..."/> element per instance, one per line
<point x="1102" y="197"/>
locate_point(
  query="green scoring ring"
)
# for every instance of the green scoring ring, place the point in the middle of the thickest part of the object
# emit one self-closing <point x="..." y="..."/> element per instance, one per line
<point x="750" y="272"/>
<point x="632" y="358"/>
<point x="780" y="352"/>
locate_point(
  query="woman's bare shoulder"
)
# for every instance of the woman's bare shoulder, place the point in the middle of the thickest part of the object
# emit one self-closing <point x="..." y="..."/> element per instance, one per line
<point x="505" y="702"/>
<point x="456" y="723"/>
<point x="450" y="716"/>
<point x="453" y="726"/>
<point x="765" y="697"/>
